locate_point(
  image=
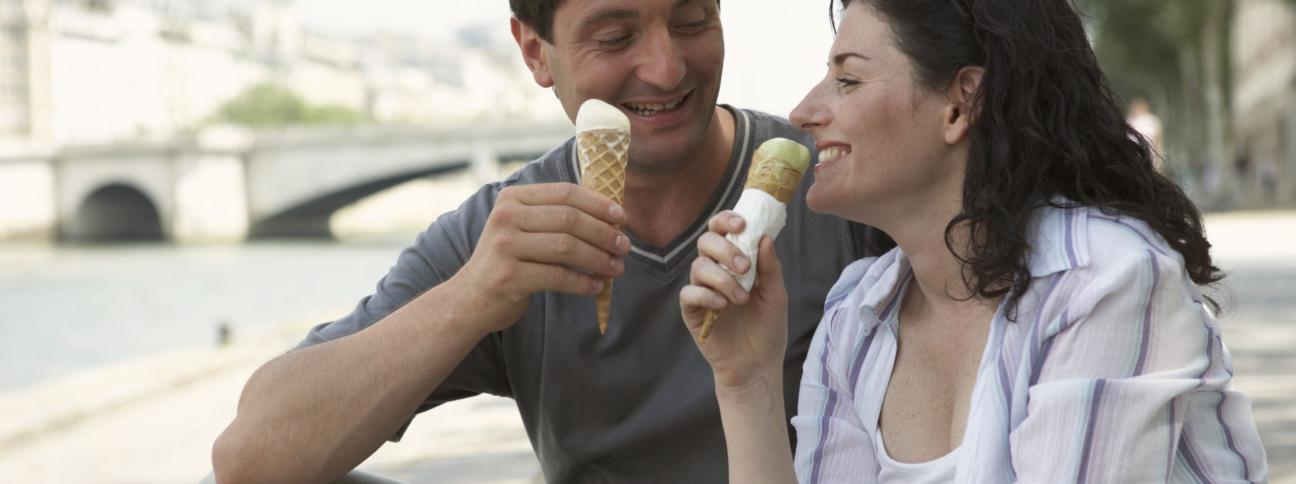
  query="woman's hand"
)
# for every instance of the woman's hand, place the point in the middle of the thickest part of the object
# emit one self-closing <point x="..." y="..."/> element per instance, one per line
<point x="750" y="338"/>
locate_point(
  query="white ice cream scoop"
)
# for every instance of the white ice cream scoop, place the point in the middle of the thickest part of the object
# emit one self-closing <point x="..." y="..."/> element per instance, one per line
<point x="595" y="114"/>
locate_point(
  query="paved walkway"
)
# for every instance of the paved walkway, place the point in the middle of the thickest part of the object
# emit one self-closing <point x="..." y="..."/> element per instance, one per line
<point x="153" y="420"/>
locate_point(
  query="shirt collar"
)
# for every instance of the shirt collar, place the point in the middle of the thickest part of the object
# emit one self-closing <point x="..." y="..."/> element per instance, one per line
<point x="1059" y="238"/>
<point x="877" y="296"/>
<point x="1058" y="242"/>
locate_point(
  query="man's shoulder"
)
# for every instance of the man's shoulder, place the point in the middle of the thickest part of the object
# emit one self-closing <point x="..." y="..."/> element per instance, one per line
<point x="765" y="125"/>
<point x="557" y="165"/>
<point x="470" y="217"/>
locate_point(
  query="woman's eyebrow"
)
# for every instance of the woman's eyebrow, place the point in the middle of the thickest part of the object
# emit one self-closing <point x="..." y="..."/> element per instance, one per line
<point x="838" y="59"/>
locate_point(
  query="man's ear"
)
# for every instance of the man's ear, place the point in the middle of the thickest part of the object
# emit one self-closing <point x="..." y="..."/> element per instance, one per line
<point x="532" y="47"/>
<point x="959" y="112"/>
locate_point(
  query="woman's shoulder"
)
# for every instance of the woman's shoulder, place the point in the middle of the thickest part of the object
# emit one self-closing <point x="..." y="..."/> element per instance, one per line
<point x="1084" y="259"/>
<point x="1115" y="241"/>
<point x="1085" y="239"/>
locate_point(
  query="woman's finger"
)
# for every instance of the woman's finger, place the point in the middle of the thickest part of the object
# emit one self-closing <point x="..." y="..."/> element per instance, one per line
<point x="727" y="222"/>
<point x="724" y="252"/>
<point x="709" y="274"/>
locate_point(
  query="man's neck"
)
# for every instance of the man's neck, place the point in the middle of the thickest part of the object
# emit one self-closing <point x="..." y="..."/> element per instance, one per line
<point x="661" y="204"/>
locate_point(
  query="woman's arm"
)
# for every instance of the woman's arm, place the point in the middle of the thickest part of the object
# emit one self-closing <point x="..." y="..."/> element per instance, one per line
<point x="745" y="351"/>
<point x="756" y="431"/>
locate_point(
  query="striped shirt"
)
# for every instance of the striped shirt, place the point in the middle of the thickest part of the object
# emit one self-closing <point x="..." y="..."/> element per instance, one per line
<point x="1112" y="370"/>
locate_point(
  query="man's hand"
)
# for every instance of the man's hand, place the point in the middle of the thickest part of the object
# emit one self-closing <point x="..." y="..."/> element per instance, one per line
<point x="545" y="237"/>
<point x="750" y="338"/>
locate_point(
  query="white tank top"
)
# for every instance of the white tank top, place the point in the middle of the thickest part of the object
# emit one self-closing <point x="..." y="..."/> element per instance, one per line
<point x="936" y="471"/>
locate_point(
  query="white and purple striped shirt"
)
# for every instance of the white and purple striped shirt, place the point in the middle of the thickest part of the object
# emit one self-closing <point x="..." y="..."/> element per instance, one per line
<point x="1112" y="371"/>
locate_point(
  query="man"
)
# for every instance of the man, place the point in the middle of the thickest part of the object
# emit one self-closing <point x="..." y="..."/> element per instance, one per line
<point x="496" y="297"/>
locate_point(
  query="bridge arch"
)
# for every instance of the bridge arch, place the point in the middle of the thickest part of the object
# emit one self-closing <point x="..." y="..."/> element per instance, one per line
<point x="115" y="212"/>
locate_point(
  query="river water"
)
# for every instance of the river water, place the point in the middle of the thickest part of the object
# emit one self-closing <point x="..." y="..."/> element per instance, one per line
<point x="68" y="308"/>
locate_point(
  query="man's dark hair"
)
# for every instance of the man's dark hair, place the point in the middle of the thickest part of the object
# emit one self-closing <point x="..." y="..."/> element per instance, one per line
<point x="1046" y="125"/>
<point x="539" y="15"/>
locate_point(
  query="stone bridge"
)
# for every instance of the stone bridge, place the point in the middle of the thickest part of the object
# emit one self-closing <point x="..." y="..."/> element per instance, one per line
<point x="227" y="184"/>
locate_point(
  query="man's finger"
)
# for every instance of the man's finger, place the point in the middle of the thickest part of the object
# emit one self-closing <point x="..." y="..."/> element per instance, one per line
<point x="561" y="219"/>
<point x="548" y="277"/>
<point x="585" y="199"/>
<point x="566" y="250"/>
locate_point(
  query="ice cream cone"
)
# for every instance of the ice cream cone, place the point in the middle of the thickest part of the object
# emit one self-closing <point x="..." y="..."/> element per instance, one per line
<point x="774" y="175"/>
<point x="776" y="169"/>
<point x="603" y="139"/>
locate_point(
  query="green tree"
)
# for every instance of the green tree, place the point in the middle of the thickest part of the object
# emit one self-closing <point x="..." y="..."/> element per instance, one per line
<point x="271" y="105"/>
<point x="1177" y="54"/>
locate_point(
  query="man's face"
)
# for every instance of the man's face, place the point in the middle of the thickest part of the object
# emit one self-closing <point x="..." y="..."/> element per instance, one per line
<point x="659" y="61"/>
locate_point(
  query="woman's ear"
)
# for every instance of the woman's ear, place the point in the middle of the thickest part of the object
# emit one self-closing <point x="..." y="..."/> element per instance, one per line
<point x="532" y="47"/>
<point x="959" y="111"/>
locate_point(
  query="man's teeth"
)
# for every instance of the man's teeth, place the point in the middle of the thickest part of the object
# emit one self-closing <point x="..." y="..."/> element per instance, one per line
<point x="651" y="109"/>
<point x="833" y="153"/>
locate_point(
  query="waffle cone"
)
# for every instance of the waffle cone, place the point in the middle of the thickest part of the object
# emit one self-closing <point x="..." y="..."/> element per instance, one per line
<point x="775" y="178"/>
<point x="603" y="156"/>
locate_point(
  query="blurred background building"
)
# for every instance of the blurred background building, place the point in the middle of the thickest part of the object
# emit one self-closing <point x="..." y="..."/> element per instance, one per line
<point x="161" y="68"/>
<point x="140" y="118"/>
<point x="1264" y="101"/>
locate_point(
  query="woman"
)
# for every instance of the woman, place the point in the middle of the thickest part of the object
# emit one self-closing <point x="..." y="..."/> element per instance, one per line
<point x="1040" y="319"/>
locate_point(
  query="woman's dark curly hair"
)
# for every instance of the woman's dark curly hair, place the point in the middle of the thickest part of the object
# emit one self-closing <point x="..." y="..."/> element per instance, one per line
<point x="1046" y="124"/>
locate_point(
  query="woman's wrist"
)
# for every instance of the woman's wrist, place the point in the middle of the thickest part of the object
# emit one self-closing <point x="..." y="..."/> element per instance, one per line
<point x="760" y="385"/>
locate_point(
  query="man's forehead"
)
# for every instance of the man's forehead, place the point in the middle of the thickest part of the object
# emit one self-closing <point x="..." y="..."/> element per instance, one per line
<point x="581" y="11"/>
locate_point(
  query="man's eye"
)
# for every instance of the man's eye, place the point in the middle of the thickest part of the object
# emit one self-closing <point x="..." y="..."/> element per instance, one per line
<point x="612" y="42"/>
<point x="843" y="82"/>
<point x="694" y="26"/>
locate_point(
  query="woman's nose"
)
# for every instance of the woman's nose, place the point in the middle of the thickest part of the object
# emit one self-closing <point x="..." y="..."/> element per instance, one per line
<point x="810" y="112"/>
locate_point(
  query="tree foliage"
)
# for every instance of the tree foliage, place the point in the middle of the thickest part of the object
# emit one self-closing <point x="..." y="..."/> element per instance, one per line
<point x="271" y="105"/>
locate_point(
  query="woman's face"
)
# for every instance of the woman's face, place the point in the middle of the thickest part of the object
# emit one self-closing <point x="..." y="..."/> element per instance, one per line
<point x="880" y="134"/>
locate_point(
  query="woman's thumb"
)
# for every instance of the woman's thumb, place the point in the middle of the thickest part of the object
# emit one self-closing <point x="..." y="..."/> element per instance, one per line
<point x="769" y="269"/>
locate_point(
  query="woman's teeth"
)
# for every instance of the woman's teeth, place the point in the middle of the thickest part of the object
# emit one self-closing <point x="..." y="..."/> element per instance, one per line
<point x="833" y="153"/>
<point x="643" y="109"/>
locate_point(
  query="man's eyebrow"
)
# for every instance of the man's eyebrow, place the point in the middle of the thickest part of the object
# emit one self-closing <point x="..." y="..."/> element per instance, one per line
<point x="603" y="16"/>
<point x="683" y="3"/>
<point x="840" y="58"/>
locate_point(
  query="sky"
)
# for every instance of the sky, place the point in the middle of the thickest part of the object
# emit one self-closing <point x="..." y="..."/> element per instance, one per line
<point x="776" y="50"/>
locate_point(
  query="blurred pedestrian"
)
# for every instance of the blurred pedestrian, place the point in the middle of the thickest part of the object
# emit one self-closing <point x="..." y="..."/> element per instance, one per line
<point x="1148" y="125"/>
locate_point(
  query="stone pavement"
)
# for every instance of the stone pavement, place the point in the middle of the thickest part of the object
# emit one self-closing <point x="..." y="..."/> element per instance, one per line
<point x="1256" y="252"/>
<point x="153" y="420"/>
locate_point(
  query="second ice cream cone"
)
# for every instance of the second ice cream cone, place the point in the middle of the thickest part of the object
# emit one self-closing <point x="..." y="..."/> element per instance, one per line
<point x="777" y="168"/>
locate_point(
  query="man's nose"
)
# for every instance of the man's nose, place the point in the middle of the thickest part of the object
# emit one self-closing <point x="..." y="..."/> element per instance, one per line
<point x="661" y="63"/>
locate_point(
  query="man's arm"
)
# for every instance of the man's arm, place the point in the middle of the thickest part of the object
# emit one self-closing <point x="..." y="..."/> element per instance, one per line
<point x="313" y="414"/>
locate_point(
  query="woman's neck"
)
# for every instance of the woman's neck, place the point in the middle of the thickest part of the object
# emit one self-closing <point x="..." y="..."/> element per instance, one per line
<point x="938" y="271"/>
